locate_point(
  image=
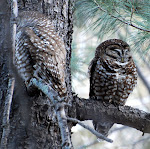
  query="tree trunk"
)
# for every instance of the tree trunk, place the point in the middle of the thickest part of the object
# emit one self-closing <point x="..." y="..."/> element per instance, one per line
<point x="5" y="46"/>
<point x="32" y="120"/>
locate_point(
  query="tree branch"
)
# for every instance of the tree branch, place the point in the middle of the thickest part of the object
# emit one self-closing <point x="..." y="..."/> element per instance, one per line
<point x="123" y="21"/>
<point x="59" y="108"/>
<point x="6" y="113"/>
<point x="88" y="109"/>
<point x="99" y="135"/>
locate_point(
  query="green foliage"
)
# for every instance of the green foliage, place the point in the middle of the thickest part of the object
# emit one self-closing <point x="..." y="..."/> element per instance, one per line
<point x="130" y="19"/>
<point x="110" y="14"/>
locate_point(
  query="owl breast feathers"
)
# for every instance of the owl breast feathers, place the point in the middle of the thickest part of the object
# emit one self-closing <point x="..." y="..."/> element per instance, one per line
<point x="113" y="73"/>
<point x="40" y="52"/>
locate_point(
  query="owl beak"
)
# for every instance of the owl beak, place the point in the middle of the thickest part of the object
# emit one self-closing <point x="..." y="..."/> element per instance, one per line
<point x="122" y="59"/>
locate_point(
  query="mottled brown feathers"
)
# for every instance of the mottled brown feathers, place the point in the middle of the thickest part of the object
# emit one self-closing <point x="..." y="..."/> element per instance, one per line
<point x="40" y="52"/>
<point x="113" y="73"/>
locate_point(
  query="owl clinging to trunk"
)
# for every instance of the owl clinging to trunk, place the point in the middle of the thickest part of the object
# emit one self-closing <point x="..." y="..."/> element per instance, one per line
<point x="40" y="52"/>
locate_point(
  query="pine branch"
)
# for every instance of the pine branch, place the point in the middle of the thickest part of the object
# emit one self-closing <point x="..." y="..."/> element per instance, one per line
<point x="123" y="21"/>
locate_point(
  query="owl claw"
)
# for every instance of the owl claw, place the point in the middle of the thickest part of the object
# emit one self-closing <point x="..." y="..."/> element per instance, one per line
<point x="106" y="104"/>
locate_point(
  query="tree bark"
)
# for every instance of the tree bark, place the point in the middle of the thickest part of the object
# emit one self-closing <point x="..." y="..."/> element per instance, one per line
<point x="32" y="120"/>
<point x="88" y="109"/>
<point x="5" y="46"/>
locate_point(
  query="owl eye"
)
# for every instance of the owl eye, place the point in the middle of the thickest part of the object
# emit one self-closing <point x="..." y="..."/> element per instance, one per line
<point x="128" y="54"/>
<point x="113" y="53"/>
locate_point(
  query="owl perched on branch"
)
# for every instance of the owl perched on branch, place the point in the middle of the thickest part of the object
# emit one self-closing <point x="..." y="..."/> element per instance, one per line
<point x="40" y="52"/>
<point x="113" y="74"/>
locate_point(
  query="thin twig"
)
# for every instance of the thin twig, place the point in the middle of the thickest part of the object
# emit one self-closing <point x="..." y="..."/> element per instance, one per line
<point x="89" y="145"/>
<point x="62" y="122"/>
<point x="123" y="21"/>
<point x="45" y="88"/>
<point x="14" y="16"/>
<point x="97" y="134"/>
<point x="6" y="113"/>
<point x="132" y="11"/>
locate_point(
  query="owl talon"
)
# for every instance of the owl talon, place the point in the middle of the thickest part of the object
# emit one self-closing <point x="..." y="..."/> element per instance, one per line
<point x="106" y="104"/>
<point x="32" y="90"/>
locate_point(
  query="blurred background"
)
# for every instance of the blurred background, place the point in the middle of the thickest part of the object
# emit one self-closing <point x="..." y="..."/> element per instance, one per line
<point x="94" y="22"/>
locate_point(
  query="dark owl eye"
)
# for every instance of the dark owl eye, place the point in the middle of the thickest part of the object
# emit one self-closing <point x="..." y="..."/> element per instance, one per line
<point x="127" y="53"/>
<point x="113" y="53"/>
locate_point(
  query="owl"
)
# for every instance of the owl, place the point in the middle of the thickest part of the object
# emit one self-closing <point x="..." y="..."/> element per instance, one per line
<point x="40" y="52"/>
<point x="113" y="74"/>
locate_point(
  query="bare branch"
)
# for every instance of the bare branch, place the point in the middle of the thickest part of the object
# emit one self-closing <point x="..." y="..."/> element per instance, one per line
<point x="62" y="122"/>
<point x="45" y="88"/>
<point x="88" y="109"/>
<point x="6" y="113"/>
<point x="97" y="134"/>
<point x="14" y="15"/>
<point x="89" y="145"/>
<point x="132" y="11"/>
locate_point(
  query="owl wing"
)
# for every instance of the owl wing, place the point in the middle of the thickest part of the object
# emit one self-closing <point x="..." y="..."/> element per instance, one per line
<point x="48" y="54"/>
<point x="22" y="57"/>
<point x="91" y="71"/>
<point x="102" y="86"/>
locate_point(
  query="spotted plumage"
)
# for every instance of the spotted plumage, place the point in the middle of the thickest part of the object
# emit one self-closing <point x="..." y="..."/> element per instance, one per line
<point x="113" y="73"/>
<point x="40" y="52"/>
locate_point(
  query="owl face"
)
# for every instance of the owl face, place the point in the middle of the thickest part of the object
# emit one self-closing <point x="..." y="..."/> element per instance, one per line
<point x="117" y="54"/>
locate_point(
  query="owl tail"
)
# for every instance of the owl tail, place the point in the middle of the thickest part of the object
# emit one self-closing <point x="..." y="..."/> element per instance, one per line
<point x="103" y="127"/>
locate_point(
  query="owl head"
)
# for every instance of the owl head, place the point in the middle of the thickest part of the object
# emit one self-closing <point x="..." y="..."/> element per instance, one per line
<point x="114" y="50"/>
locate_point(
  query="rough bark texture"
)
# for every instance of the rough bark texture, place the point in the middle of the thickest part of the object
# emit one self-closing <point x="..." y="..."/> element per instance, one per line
<point x="88" y="109"/>
<point x="33" y="123"/>
<point x="4" y="56"/>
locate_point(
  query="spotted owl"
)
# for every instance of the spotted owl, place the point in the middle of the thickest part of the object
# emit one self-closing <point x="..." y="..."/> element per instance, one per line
<point x="113" y="74"/>
<point x="40" y="52"/>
